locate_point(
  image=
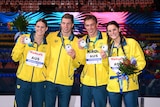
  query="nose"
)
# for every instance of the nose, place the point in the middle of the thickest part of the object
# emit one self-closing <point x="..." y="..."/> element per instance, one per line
<point x="112" y="32"/>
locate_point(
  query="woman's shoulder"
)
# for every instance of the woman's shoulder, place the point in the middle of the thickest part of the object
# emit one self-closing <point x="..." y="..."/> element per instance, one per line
<point x="131" y="40"/>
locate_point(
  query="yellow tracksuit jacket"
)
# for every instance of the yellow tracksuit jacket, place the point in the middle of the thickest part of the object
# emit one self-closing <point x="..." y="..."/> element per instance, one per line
<point x="61" y="66"/>
<point x="132" y="49"/>
<point x="26" y="72"/>
<point x="95" y="74"/>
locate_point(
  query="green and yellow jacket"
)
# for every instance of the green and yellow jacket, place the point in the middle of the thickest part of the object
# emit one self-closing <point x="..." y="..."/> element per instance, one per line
<point x="95" y="74"/>
<point x="131" y="49"/>
<point x="61" y="66"/>
<point x="19" y="54"/>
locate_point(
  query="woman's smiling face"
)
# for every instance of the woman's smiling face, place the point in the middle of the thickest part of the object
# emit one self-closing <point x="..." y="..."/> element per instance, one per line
<point x="113" y="31"/>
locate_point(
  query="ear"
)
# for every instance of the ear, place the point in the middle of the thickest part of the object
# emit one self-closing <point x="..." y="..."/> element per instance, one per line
<point x="72" y="25"/>
<point x="97" y="25"/>
<point x="46" y="28"/>
<point x="119" y="29"/>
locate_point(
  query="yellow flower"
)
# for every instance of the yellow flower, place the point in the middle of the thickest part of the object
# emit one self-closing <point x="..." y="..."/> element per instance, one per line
<point x="10" y="25"/>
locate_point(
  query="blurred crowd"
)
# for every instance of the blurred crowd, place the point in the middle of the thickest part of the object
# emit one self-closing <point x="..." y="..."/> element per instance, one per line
<point x="78" y="5"/>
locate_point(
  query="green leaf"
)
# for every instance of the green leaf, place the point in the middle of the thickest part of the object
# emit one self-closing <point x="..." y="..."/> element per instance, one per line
<point x="21" y="23"/>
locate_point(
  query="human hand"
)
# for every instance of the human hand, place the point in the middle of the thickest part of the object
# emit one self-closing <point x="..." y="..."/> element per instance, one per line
<point x="81" y="43"/>
<point x="25" y="40"/>
<point x="103" y="54"/>
<point x="71" y="53"/>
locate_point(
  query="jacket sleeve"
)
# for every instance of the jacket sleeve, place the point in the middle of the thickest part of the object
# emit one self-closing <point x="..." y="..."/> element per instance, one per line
<point x="105" y="63"/>
<point x="139" y="55"/>
<point x="17" y="52"/>
<point x="79" y="53"/>
<point x="47" y="59"/>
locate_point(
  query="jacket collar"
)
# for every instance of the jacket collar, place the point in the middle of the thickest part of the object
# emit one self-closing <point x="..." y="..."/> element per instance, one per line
<point x="32" y="38"/>
<point x="99" y="36"/>
<point x="71" y="37"/>
<point x="124" y="43"/>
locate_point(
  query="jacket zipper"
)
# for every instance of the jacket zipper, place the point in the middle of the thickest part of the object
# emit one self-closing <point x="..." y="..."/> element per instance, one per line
<point x="33" y="67"/>
<point x="32" y="74"/>
<point x="57" y="64"/>
<point x="95" y="74"/>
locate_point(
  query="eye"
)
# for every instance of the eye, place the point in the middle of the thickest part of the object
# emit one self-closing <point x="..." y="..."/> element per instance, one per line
<point x="114" y="29"/>
<point x="37" y="26"/>
<point x="109" y="31"/>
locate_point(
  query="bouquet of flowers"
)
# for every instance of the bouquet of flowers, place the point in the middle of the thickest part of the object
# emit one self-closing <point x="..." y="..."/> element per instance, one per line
<point x="127" y="67"/>
<point x="149" y="50"/>
<point x="20" y="22"/>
